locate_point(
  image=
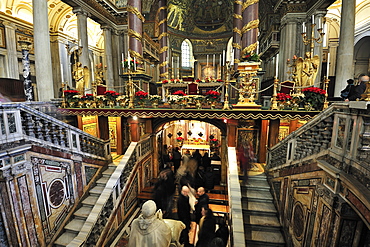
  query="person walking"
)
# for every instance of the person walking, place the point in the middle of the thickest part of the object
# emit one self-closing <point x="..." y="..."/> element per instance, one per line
<point x="203" y="201"/>
<point x="207" y="228"/>
<point x="184" y="215"/>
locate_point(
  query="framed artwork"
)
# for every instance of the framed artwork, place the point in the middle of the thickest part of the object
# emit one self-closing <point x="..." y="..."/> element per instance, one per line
<point x="2" y="37"/>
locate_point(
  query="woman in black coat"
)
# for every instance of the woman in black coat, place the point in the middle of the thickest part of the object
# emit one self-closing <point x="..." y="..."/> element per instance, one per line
<point x="207" y="228"/>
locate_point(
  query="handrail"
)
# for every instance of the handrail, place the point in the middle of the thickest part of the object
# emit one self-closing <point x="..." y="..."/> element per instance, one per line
<point x="235" y="203"/>
<point x="20" y="121"/>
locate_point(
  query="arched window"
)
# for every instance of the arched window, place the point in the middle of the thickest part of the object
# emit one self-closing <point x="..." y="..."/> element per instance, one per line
<point x="185" y="54"/>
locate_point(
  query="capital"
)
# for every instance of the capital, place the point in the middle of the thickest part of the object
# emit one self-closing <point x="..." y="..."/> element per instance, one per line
<point x="80" y="11"/>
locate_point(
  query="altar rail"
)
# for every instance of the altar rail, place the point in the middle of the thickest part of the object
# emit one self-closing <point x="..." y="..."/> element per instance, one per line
<point x="22" y="124"/>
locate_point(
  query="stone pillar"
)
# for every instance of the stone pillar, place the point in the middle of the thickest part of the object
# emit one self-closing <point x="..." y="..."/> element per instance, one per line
<point x="44" y="75"/>
<point x="135" y="30"/>
<point x="291" y="42"/>
<point x="163" y="40"/>
<point x="237" y="32"/>
<point x="318" y="47"/>
<point x="108" y="57"/>
<point x="263" y="141"/>
<point x="273" y="132"/>
<point x="345" y="68"/>
<point x="232" y="128"/>
<point x="250" y="25"/>
<point x="82" y="35"/>
<point x="11" y="49"/>
<point x="27" y="83"/>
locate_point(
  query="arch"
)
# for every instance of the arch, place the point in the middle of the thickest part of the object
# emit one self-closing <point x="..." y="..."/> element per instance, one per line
<point x="219" y="123"/>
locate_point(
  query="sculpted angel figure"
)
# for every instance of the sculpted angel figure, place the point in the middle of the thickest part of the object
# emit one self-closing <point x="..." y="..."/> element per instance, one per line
<point x="306" y="70"/>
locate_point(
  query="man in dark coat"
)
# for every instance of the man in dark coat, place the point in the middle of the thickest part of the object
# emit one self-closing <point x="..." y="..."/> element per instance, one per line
<point x="183" y="212"/>
<point x="355" y="92"/>
<point x="203" y="200"/>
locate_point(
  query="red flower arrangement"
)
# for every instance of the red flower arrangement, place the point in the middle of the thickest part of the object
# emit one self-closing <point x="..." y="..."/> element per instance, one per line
<point x="283" y="97"/>
<point x="165" y="81"/>
<point x="212" y="95"/>
<point x="88" y="96"/>
<point x="111" y="95"/>
<point x="179" y="139"/>
<point x="68" y="94"/>
<point x="214" y="141"/>
<point x="314" y="96"/>
<point x="219" y="80"/>
<point x="141" y="95"/>
<point x="180" y="93"/>
<point x="198" y="80"/>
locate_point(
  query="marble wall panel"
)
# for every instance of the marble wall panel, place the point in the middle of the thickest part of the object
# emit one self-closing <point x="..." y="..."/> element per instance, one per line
<point x="324" y="226"/>
<point x="6" y="209"/>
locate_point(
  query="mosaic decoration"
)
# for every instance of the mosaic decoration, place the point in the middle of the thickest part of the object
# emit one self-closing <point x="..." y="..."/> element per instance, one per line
<point x="55" y="192"/>
<point x="298" y="221"/>
<point x="130" y="198"/>
<point x="324" y="226"/>
<point x="347" y="233"/>
<point x="89" y="173"/>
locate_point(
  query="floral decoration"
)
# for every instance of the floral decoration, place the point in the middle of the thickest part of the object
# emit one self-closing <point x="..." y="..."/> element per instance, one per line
<point x="283" y="97"/>
<point x="165" y="81"/>
<point x="314" y="96"/>
<point x="141" y="96"/>
<point x="219" y="80"/>
<point x="179" y="139"/>
<point x="155" y="98"/>
<point x="213" y="141"/>
<point x="198" y="80"/>
<point x="111" y="95"/>
<point x="180" y="93"/>
<point x="68" y="94"/>
<point x="88" y="96"/>
<point x="250" y="57"/>
<point x="212" y="95"/>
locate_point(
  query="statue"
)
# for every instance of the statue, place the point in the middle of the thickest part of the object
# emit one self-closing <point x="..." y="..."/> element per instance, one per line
<point x="149" y="229"/>
<point x="306" y="70"/>
<point x="81" y="76"/>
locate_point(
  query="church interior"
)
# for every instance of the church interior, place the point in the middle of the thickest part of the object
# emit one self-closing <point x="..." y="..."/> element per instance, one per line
<point x="260" y="106"/>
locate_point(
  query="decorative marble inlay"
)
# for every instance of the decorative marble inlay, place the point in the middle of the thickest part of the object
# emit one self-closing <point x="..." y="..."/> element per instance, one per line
<point x="3" y="132"/>
<point x="340" y="140"/>
<point x="298" y="221"/>
<point x="324" y="226"/>
<point x="347" y="233"/>
<point x="19" y="158"/>
<point x="11" y="123"/>
<point x="89" y="173"/>
<point x="56" y="193"/>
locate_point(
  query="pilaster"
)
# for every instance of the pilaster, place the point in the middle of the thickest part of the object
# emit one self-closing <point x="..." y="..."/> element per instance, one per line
<point x="108" y="57"/>
<point x="11" y="48"/>
<point x="82" y="35"/>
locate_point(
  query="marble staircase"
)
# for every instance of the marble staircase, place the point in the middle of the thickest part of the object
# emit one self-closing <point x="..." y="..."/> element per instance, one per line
<point x="84" y="209"/>
<point x="261" y="223"/>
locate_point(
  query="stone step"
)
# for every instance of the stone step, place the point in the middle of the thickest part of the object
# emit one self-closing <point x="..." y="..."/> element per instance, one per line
<point x="256" y="183"/>
<point x="74" y="225"/>
<point x="103" y="180"/>
<point x="248" y="187"/>
<point x="256" y="194"/>
<point x="261" y="207"/>
<point x="261" y="221"/>
<point x="83" y="212"/>
<point x="97" y="190"/>
<point x="90" y="200"/>
<point x="64" y="239"/>
<point x="109" y="171"/>
<point x="263" y="236"/>
<point x="256" y="174"/>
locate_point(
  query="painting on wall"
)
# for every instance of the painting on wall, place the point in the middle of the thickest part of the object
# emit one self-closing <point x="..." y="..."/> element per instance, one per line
<point x="208" y="71"/>
<point x="112" y="122"/>
<point x="89" y="125"/>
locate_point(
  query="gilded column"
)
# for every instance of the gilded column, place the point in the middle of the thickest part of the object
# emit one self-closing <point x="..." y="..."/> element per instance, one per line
<point x="44" y="70"/>
<point x="345" y="69"/>
<point x="237" y="31"/>
<point x="135" y="30"/>
<point x="163" y="40"/>
<point x="250" y="26"/>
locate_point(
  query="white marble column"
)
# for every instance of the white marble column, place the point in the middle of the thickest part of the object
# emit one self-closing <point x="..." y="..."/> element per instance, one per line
<point x="290" y="41"/>
<point x="345" y="69"/>
<point x="107" y="31"/>
<point x="82" y="35"/>
<point x="12" y="70"/>
<point x="44" y="75"/>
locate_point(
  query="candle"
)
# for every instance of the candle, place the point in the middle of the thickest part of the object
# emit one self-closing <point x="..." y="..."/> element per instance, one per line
<point x="214" y="60"/>
<point x="223" y="58"/>
<point x="61" y="72"/>
<point x="304" y="27"/>
<point x="207" y="60"/>
<point x="313" y="19"/>
<point x="123" y="59"/>
<point x="220" y="60"/>
<point x="327" y="65"/>
<point x="128" y="59"/>
<point x="80" y="43"/>
<point x="134" y="63"/>
<point x="277" y="65"/>
<point x="319" y="22"/>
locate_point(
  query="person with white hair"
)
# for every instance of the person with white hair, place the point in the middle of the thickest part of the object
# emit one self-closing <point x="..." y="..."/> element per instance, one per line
<point x="149" y="229"/>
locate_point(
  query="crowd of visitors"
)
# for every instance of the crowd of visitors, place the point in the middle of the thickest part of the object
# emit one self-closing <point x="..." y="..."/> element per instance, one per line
<point x="193" y="176"/>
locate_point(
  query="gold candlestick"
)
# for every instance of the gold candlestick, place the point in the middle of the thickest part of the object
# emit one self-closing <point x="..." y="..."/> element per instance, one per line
<point x="326" y="84"/>
<point x="274" y="105"/>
